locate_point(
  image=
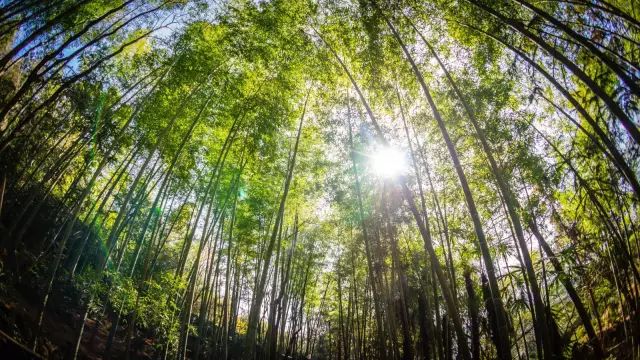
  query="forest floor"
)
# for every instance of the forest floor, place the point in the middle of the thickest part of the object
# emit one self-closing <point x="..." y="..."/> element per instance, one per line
<point x="21" y="301"/>
<point x="19" y="311"/>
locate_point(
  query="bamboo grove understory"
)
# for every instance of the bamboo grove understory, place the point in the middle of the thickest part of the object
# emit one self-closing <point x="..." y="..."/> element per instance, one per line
<point x="319" y="179"/>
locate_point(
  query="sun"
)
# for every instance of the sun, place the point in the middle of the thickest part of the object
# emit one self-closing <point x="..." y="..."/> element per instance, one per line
<point x="388" y="162"/>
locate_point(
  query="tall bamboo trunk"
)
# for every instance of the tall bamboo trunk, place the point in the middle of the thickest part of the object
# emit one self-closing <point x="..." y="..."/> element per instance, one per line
<point x="254" y="311"/>
<point x="504" y="348"/>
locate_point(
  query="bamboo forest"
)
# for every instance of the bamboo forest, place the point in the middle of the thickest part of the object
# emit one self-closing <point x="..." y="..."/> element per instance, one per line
<point x="320" y="179"/>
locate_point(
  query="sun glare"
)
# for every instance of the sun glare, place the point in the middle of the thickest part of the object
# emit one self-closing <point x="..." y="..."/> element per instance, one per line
<point x="388" y="162"/>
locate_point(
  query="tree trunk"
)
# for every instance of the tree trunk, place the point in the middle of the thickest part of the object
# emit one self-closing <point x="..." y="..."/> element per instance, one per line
<point x="503" y="337"/>
<point x="254" y="311"/>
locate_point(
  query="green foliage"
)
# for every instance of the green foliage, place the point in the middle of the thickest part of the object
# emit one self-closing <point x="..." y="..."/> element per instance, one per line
<point x="152" y="152"/>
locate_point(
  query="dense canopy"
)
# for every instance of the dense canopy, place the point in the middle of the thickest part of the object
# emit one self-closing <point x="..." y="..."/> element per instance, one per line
<point x="319" y="179"/>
